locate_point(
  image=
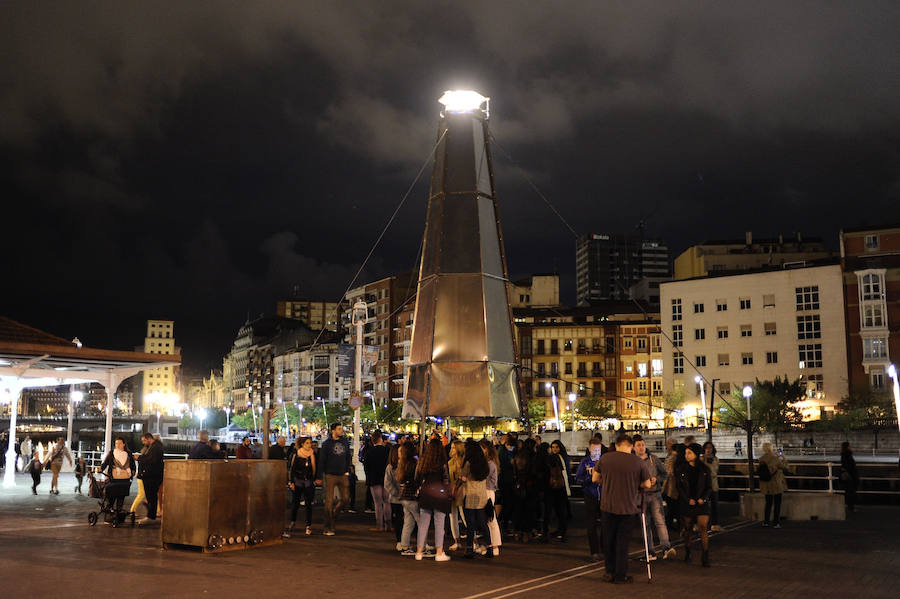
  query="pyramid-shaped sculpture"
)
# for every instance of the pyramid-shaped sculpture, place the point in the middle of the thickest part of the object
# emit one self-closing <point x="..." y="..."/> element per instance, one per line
<point x="462" y="357"/>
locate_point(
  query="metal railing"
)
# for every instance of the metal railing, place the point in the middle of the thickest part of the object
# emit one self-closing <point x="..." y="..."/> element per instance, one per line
<point x="93" y="459"/>
<point x="825" y="482"/>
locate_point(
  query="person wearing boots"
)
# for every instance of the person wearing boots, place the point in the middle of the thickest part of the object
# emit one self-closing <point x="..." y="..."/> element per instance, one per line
<point x="694" y="482"/>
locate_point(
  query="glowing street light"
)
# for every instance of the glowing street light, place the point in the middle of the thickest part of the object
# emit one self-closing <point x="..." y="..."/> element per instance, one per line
<point x="202" y="414"/>
<point x="892" y="372"/>
<point x="462" y="100"/>
<point x="227" y="415"/>
<point x="555" y="407"/>
<point x="748" y="391"/>
<point x="572" y="399"/>
<point x="699" y="380"/>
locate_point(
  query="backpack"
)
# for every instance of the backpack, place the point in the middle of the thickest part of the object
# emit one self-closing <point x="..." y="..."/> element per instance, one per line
<point x="763" y="472"/>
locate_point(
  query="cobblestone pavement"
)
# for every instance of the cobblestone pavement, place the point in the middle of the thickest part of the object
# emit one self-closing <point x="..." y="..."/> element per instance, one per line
<point x="48" y="550"/>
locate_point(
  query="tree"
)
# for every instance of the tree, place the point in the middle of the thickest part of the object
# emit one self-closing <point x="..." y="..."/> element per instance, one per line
<point x="670" y="402"/>
<point x="537" y="413"/>
<point x="771" y="405"/>
<point x="594" y="408"/>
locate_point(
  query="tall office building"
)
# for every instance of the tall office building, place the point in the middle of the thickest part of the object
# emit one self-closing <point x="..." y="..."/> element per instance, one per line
<point x="607" y="265"/>
<point x="160" y="384"/>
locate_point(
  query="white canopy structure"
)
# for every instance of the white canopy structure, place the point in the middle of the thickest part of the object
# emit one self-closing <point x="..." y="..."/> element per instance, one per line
<point x="30" y="357"/>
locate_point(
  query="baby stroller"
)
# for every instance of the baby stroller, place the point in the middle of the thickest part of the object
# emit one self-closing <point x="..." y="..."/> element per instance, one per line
<point x="107" y="490"/>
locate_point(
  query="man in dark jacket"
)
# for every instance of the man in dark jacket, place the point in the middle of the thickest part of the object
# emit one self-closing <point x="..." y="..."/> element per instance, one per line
<point x="201" y="449"/>
<point x="150" y="471"/>
<point x="334" y="464"/>
<point x="374" y="466"/>
<point x="278" y="450"/>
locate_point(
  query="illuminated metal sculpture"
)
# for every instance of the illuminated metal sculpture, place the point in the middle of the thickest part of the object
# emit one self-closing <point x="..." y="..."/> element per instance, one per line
<point x="462" y="357"/>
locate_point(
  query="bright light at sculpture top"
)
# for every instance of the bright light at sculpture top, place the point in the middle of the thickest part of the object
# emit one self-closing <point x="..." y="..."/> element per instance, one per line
<point x="462" y="100"/>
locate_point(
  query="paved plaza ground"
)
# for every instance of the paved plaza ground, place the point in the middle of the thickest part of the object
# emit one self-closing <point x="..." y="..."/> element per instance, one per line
<point x="47" y="549"/>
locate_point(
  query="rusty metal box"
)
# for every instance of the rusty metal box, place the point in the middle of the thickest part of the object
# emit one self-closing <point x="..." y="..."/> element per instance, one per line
<point x="218" y="505"/>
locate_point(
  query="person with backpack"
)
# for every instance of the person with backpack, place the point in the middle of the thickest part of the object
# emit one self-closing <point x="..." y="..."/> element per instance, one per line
<point x="556" y="495"/>
<point x="772" y="483"/>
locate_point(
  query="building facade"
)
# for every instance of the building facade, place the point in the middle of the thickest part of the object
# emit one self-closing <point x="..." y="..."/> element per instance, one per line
<point x="741" y="327"/>
<point x="536" y="291"/>
<point x="730" y="255"/>
<point x="317" y="315"/>
<point x="607" y="265"/>
<point x="310" y="374"/>
<point x="160" y="386"/>
<point x="871" y="261"/>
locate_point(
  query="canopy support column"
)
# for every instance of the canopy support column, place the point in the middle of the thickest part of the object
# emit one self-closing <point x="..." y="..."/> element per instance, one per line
<point x="9" y="475"/>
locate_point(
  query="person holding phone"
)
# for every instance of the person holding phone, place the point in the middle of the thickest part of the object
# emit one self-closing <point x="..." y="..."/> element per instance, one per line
<point x="694" y="489"/>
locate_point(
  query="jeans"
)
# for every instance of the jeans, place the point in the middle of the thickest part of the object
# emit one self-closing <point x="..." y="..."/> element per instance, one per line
<point x="307" y="494"/>
<point x="477" y="520"/>
<point x="382" y="507"/>
<point x="425" y="516"/>
<point x="332" y="510"/>
<point x="777" y="501"/>
<point x="410" y="517"/>
<point x="616" y="535"/>
<point x="591" y="521"/>
<point x="493" y="525"/>
<point x="455" y="513"/>
<point x="653" y="509"/>
<point x="151" y="490"/>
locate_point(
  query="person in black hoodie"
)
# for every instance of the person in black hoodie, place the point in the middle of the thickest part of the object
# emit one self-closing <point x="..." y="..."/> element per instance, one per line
<point x="334" y="468"/>
<point x="150" y="471"/>
<point x="374" y="467"/>
<point x="694" y="489"/>
<point x="849" y="476"/>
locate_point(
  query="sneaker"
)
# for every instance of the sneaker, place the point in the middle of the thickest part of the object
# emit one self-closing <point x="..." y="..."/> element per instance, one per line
<point x="286" y="534"/>
<point x="419" y="556"/>
<point x="443" y="557"/>
<point x="308" y="530"/>
<point x="147" y="521"/>
<point x="328" y="533"/>
<point x="453" y="547"/>
<point x="669" y="553"/>
<point x="777" y="526"/>
<point x="765" y="525"/>
<point x="408" y="551"/>
<point x="480" y="549"/>
<point x="716" y="528"/>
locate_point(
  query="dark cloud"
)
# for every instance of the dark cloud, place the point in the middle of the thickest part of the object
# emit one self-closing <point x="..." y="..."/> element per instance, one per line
<point x="197" y="160"/>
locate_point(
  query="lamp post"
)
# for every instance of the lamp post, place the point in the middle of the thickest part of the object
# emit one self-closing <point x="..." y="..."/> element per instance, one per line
<point x="555" y="408"/>
<point x="202" y="413"/>
<point x="227" y="416"/>
<point x="158" y="432"/>
<point x="75" y="397"/>
<point x="699" y="380"/>
<point x="892" y="372"/>
<point x="253" y="413"/>
<point x="748" y="391"/>
<point x="572" y="398"/>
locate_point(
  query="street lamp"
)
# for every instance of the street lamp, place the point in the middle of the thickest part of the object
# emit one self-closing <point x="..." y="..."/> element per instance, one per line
<point x="555" y="407"/>
<point x="158" y="432"/>
<point x="748" y="391"/>
<point x="699" y="380"/>
<point x="892" y="372"/>
<point x="227" y="415"/>
<point x="572" y="398"/>
<point x="202" y="414"/>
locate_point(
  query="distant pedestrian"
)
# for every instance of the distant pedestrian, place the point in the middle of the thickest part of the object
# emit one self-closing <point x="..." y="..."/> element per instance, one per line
<point x="694" y="488"/>
<point x="670" y="488"/>
<point x="405" y="476"/>
<point x="393" y="490"/>
<point x="622" y="476"/>
<point x="244" y="452"/>
<point x="151" y="469"/>
<point x="849" y="476"/>
<point x="490" y="483"/>
<point x="653" y="501"/>
<point x="141" y="496"/>
<point x="35" y="466"/>
<point x="712" y="462"/>
<point x="478" y="508"/>
<point x="556" y="496"/>
<point x="334" y="469"/>
<point x="80" y="471"/>
<point x="433" y="481"/>
<point x="772" y="483"/>
<point x="256" y="449"/>
<point x="278" y="451"/>
<point x="590" y="491"/>
<point x="201" y="449"/>
<point x="26" y="450"/>
<point x="55" y="461"/>
<point x="738" y="448"/>
<point x="376" y="463"/>
<point x="302" y="477"/>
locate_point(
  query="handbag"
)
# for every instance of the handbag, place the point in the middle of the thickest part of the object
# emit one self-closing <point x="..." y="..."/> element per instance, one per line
<point x="436" y="496"/>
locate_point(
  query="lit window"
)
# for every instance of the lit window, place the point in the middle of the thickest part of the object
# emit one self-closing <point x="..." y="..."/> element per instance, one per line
<point x="642" y="369"/>
<point x="874" y="348"/>
<point x="810" y="355"/>
<point x="656" y="367"/>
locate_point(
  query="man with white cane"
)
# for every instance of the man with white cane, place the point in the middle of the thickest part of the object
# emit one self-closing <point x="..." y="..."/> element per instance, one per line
<point x="622" y="475"/>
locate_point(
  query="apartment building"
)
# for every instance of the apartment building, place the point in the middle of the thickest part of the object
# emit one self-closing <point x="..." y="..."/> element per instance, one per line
<point x="739" y="327"/>
<point x="871" y="260"/>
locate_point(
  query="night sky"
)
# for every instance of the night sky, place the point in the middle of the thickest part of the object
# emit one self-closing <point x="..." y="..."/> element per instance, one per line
<point x="196" y="160"/>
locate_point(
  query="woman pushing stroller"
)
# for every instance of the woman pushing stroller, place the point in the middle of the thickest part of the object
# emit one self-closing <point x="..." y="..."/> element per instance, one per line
<point x="119" y="467"/>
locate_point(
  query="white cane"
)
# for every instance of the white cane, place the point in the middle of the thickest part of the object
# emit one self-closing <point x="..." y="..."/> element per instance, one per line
<point x="646" y="544"/>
